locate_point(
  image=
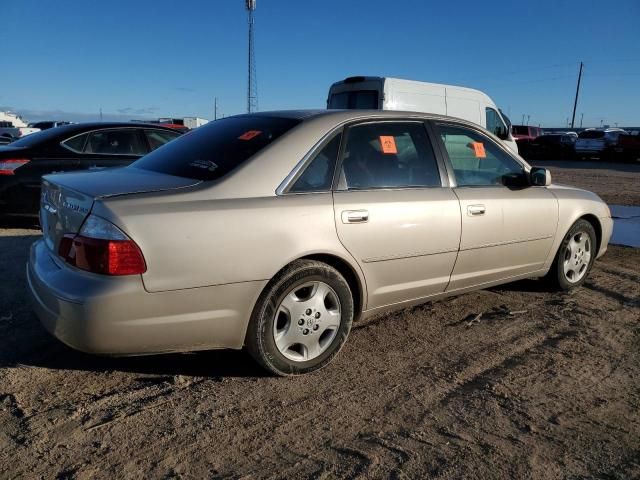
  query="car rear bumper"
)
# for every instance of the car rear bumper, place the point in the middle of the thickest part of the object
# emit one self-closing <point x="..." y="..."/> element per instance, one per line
<point x="117" y="316"/>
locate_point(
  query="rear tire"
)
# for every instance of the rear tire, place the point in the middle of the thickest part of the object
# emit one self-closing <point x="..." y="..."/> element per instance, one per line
<point x="574" y="257"/>
<point x="301" y="320"/>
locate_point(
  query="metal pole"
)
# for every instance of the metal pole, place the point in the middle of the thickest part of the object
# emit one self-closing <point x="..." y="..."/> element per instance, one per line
<point x="252" y="88"/>
<point x="215" y="108"/>
<point x="575" y="103"/>
<point x="581" y="117"/>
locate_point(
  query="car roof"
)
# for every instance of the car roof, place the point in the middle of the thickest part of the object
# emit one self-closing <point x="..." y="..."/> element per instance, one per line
<point x="85" y="126"/>
<point x="346" y="115"/>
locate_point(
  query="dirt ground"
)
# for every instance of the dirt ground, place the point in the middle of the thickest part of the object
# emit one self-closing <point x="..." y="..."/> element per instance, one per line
<point x="542" y="385"/>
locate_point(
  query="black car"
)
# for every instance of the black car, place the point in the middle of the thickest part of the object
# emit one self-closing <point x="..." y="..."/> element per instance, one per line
<point x="48" y="124"/>
<point x="70" y="148"/>
<point x="553" y="146"/>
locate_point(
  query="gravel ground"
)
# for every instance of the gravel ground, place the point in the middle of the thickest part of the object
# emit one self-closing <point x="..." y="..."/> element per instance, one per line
<point x="542" y="385"/>
<point x="616" y="183"/>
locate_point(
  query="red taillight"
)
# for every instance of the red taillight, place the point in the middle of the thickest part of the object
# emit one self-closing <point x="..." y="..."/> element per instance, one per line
<point x="9" y="166"/>
<point x="108" y="257"/>
<point x="101" y="247"/>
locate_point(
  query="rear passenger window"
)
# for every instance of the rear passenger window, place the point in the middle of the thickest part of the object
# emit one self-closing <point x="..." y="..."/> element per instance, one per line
<point x="389" y="155"/>
<point x="476" y="160"/>
<point x="76" y="143"/>
<point x="116" y="142"/>
<point x="318" y="176"/>
<point x="157" y="138"/>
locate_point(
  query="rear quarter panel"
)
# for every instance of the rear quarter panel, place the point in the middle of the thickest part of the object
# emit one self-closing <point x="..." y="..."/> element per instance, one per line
<point x="194" y="243"/>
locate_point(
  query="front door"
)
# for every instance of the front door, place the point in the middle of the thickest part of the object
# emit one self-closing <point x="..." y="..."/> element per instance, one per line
<point x="394" y="213"/>
<point x="508" y="226"/>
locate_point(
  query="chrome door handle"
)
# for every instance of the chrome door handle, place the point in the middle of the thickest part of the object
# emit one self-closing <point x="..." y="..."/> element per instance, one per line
<point x="355" y="216"/>
<point x="475" y="210"/>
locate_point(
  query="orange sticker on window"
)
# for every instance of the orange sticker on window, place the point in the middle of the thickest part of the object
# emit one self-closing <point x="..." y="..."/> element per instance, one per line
<point x="388" y="144"/>
<point x="249" y="135"/>
<point x="478" y="149"/>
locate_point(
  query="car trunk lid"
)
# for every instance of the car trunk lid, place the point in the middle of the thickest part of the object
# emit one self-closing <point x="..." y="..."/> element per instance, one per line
<point x="67" y="199"/>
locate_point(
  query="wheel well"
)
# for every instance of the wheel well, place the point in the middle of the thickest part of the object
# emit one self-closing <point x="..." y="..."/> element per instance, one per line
<point x="595" y="223"/>
<point x="350" y="276"/>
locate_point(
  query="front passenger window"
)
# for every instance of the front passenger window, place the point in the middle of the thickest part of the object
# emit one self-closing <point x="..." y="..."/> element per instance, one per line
<point x="478" y="161"/>
<point x="495" y="124"/>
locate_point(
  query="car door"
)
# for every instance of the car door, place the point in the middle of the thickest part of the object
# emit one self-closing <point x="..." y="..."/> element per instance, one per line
<point x="395" y="212"/>
<point x="508" y="226"/>
<point x="113" y="147"/>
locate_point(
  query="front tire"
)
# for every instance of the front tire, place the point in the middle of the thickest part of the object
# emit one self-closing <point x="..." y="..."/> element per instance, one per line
<point x="301" y="320"/>
<point x="574" y="258"/>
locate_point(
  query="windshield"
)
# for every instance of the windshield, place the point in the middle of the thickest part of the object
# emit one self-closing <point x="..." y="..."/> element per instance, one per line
<point x="354" y="100"/>
<point x="215" y="149"/>
<point x="505" y="118"/>
<point x="591" y="134"/>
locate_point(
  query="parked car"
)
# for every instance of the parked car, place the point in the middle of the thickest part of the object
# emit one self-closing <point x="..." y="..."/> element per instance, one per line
<point x="68" y="148"/>
<point x="386" y="93"/>
<point x="627" y="148"/>
<point x="48" y="124"/>
<point x="554" y="146"/>
<point x="274" y="231"/>
<point x="524" y="135"/>
<point x="11" y="131"/>
<point x="597" y="142"/>
<point x="526" y="132"/>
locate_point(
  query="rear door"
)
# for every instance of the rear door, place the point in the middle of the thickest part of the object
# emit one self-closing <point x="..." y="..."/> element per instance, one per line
<point x="112" y="147"/>
<point x="395" y="212"/>
<point x="508" y="227"/>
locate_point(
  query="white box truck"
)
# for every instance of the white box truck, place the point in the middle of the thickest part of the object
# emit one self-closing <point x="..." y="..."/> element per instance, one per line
<point x="384" y="93"/>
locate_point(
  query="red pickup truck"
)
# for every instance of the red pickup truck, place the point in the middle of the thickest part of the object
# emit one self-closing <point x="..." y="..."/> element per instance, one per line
<point x="628" y="147"/>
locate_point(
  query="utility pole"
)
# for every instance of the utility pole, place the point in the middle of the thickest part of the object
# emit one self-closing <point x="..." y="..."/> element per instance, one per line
<point x="528" y="118"/>
<point x="252" y="87"/>
<point x="215" y="108"/>
<point x="523" y="115"/>
<point x="581" y="117"/>
<point x="575" y="103"/>
<point x="100" y="113"/>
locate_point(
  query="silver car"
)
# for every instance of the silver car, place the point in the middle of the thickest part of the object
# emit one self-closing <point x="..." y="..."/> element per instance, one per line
<point x="275" y="231"/>
<point x="597" y="142"/>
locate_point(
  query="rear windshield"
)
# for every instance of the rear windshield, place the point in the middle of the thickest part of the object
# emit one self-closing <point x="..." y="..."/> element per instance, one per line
<point x="40" y="137"/>
<point x="354" y="100"/>
<point x="591" y="134"/>
<point x="215" y="149"/>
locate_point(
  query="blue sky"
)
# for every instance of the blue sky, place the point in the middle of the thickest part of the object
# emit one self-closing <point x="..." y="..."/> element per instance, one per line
<point x="150" y="58"/>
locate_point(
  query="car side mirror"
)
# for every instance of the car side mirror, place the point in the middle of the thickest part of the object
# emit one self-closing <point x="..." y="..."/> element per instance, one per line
<point x="540" y="177"/>
<point x="502" y="133"/>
